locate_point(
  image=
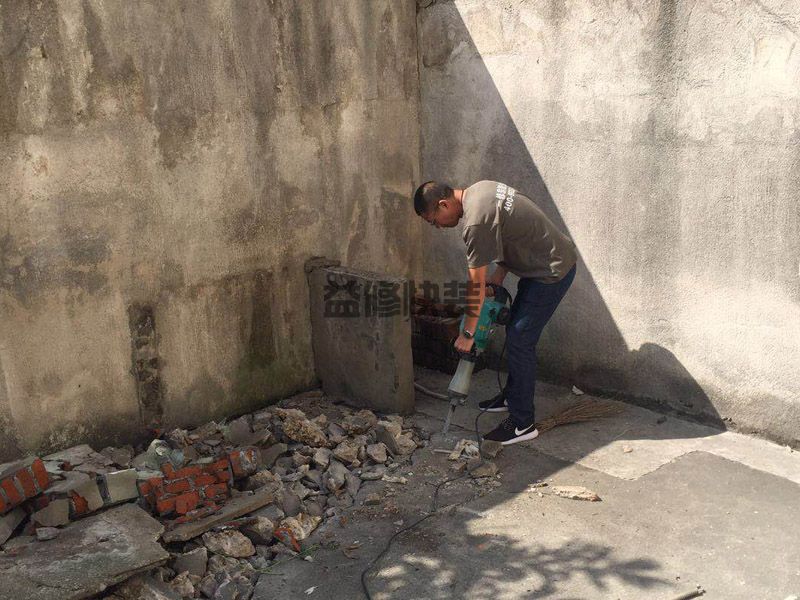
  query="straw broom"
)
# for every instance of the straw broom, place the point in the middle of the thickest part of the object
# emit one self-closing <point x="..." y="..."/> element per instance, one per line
<point x="585" y="410"/>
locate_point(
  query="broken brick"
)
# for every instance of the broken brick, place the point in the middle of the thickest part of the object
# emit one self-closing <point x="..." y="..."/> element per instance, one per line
<point x="244" y="462"/>
<point x="21" y="480"/>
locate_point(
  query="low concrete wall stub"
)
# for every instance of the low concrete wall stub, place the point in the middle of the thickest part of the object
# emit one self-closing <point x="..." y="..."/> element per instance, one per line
<point x="361" y="336"/>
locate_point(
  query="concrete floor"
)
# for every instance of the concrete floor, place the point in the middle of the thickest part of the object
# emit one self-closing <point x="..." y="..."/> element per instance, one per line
<point x="687" y="506"/>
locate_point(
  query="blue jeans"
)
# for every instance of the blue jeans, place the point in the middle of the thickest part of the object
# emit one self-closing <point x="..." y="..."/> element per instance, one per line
<point x="533" y="306"/>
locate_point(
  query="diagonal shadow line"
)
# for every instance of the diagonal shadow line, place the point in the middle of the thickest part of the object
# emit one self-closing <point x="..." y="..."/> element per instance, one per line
<point x="582" y="344"/>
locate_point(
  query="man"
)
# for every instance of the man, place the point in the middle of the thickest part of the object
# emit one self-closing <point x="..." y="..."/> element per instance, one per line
<point x="504" y="227"/>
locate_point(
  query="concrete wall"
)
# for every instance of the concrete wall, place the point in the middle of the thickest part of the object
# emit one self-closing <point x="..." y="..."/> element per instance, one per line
<point x="165" y="170"/>
<point x="664" y="136"/>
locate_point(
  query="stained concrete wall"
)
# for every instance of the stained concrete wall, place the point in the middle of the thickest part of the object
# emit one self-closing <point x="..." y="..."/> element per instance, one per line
<point x="664" y="136"/>
<point x="166" y="168"/>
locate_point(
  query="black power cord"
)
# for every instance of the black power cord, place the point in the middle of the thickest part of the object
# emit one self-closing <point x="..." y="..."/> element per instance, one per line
<point x="435" y="499"/>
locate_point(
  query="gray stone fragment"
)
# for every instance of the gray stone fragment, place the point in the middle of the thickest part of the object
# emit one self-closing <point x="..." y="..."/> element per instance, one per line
<point x="383" y="435"/>
<point x="373" y="473"/>
<point x="377" y="452"/>
<point x="322" y="457"/>
<point x="259" y="530"/>
<point x="238" y="431"/>
<point x="289" y="503"/>
<point x="335" y="476"/>
<point x="9" y="522"/>
<point x="119" y="456"/>
<point x="273" y="512"/>
<point x="194" y="562"/>
<point x="119" y="486"/>
<point x="268" y="456"/>
<point x="230" y="543"/>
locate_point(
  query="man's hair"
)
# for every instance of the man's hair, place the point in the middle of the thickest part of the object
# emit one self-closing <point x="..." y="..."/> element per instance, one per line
<point x="428" y="195"/>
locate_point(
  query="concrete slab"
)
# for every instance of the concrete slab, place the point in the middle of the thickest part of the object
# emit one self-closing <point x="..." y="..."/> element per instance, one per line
<point x="86" y="558"/>
<point x="362" y="337"/>
<point x="677" y="520"/>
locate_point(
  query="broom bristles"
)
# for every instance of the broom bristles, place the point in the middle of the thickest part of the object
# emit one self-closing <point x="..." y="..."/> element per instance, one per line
<point x="585" y="410"/>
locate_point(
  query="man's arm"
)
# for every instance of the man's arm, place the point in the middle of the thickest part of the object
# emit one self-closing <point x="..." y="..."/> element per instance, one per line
<point x="476" y="293"/>
<point x="498" y="275"/>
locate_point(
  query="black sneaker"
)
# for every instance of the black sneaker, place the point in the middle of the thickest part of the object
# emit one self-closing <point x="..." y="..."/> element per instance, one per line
<point x="508" y="433"/>
<point x="496" y="404"/>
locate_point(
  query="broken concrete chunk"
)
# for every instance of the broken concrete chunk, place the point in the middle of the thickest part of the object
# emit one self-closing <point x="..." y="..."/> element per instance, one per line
<point x="405" y="444"/>
<point x="273" y="512"/>
<point x="347" y="451"/>
<point x="335" y="476"/>
<point x="575" y="492"/>
<point x="301" y="526"/>
<point x="360" y="422"/>
<point x="146" y="588"/>
<point x="468" y="448"/>
<point x="230" y="543"/>
<point x="9" y="522"/>
<point x="385" y="436"/>
<point x="182" y="585"/>
<point x="373" y="473"/>
<point x="491" y="448"/>
<point x="377" y="452"/>
<point x="322" y="457"/>
<point x="268" y="456"/>
<point x="194" y="562"/>
<point x="394" y="479"/>
<point x="88" y="556"/>
<point x="119" y="486"/>
<point x="259" y="530"/>
<point x="305" y="431"/>
<point x="336" y="433"/>
<point x="289" y="503"/>
<point x="55" y="514"/>
<point x="238" y="431"/>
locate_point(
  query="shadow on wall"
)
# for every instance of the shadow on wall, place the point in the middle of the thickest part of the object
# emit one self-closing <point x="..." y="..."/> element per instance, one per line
<point x="459" y="96"/>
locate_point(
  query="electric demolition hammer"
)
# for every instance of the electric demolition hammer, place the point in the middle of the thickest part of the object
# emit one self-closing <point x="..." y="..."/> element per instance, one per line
<point x="495" y="311"/>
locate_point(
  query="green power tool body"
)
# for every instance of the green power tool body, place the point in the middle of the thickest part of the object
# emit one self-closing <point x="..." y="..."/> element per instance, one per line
<point x="495" y="311"/>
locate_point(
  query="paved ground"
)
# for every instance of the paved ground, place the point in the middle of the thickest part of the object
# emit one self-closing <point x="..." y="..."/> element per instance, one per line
<point x="687" y="506"/>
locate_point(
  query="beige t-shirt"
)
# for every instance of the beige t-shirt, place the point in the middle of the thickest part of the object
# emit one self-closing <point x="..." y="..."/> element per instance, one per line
<point x="503" y="226"/>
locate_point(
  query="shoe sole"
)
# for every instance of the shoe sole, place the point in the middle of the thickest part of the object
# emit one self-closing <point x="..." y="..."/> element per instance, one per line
<point x="523" y="438"/>
<point x="495" y="410"/>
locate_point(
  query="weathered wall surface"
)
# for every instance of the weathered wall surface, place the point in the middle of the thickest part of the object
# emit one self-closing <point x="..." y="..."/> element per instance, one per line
<point x="165" y="171"/>
<point x="664" y="136"/>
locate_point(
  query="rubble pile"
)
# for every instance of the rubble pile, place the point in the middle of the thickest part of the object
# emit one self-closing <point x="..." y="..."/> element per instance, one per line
<point x="232" y="498"/>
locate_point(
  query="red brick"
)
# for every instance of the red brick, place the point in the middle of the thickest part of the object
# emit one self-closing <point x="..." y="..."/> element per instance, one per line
<point x="224" y="475"/>
<point x="26" y="482"/>
<point x="221" y="465"/>
<point x="12" y="493"/>
<point x="177" y="486"/>
<point x="186" y="502"/>
<point x="189" y="471"/>
<point x="168" y="470"/>
<point x="4" y="506"/>
<point x="166" y="505"/>
<point x="215" y="490"/>
<point x="244" y="462"/>
<point x="79" y="504"/>
<point x="40" y="474"/>
<point x="203" y="480"/>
